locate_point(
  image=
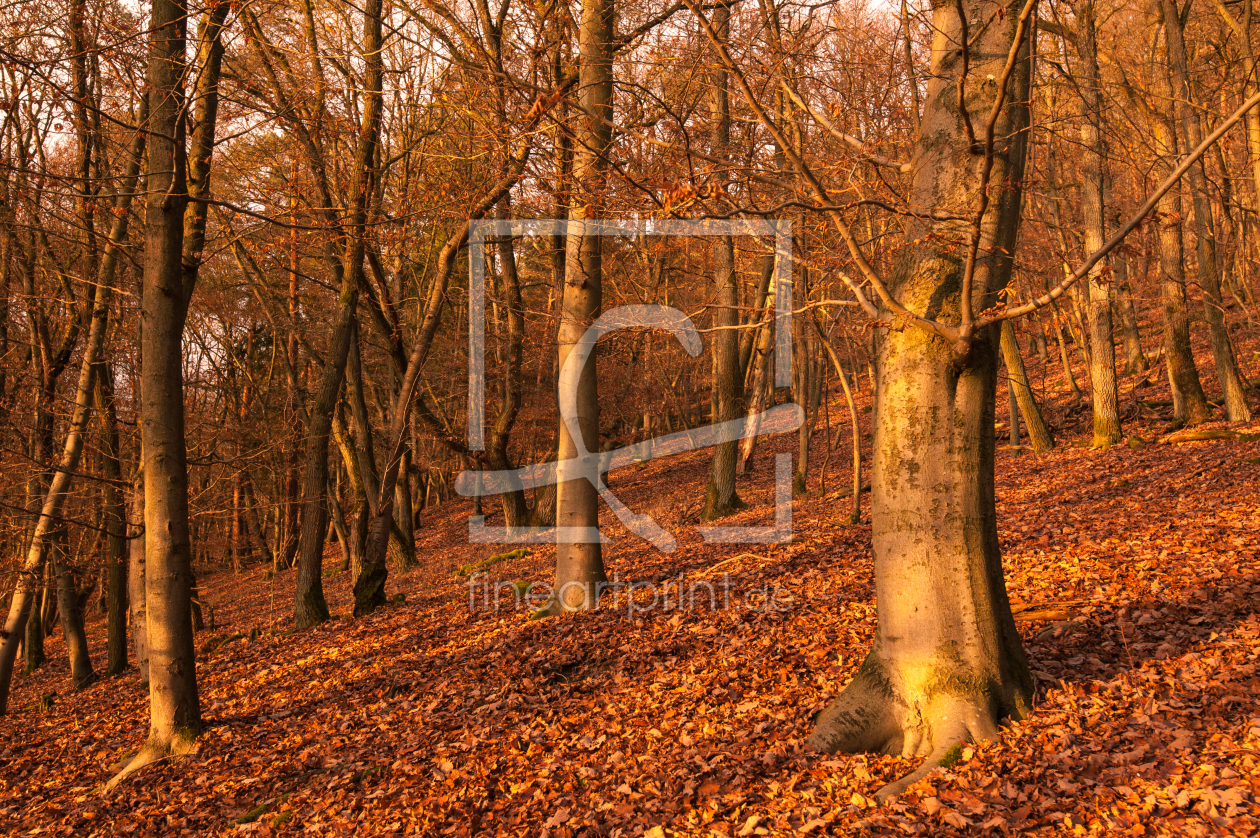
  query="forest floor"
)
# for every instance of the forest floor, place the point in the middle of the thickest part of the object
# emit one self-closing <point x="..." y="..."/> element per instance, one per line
<point x="444" y="716"/>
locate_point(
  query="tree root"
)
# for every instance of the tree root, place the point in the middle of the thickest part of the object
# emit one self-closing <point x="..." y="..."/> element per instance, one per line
<point x="550" y="608"/>
<point x="153" y="753"/>
<point x="869" y="716"/>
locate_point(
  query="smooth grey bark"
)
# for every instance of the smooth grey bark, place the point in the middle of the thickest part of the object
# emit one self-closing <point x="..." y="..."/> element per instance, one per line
<point x="947" y="662"/>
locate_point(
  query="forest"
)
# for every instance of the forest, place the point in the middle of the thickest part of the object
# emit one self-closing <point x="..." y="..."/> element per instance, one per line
<point x="629" y="417"/>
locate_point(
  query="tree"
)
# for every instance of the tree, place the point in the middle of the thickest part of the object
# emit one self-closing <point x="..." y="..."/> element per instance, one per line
<point x="1191" y="135"/>
<point x="947" y="662"/>
<point x="580" y="564"/>
<point x="174" y="232"/>
<point x="1102" y="367"/>
<point x="721" y="498"/>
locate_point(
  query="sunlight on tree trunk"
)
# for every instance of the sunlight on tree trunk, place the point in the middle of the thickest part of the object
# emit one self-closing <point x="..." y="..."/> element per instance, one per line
<point x="947" y="663"/>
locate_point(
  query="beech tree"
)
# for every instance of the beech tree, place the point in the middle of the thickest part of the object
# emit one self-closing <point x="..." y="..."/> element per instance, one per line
<point x="947" y="662"/>
<point x="178" y="185"/>
<point x="580" y="564"/>
<point x="318" y="377"/>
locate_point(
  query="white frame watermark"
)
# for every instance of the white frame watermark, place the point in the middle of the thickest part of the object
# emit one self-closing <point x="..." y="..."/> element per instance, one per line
<point x="593" y="466"/>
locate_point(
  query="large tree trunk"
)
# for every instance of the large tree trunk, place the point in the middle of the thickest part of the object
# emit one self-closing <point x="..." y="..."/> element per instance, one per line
<point x="580" y="565"/>
<point x="721" y="498"/>
<point x="1191" y="406"/>
<point x="947" y="662"/>
<point x="173" y="245"/>
<point x="175" y="709"/>
<point x="1102" y="359"/>
<point x="1204" y="224"/>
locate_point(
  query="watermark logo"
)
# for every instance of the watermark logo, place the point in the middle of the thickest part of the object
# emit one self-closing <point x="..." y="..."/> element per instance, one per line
<point x="675" y="593"/>
<point x="593" y="465"/>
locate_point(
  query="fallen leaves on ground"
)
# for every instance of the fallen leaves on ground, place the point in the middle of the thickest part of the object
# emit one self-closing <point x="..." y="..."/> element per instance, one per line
<point x="441" y="716"/>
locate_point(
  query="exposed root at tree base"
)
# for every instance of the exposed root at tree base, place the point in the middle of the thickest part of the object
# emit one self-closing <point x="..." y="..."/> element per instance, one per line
<point x="869" y="716"/>
<point x="151" y="754"/>
<point x="939" y="758"/>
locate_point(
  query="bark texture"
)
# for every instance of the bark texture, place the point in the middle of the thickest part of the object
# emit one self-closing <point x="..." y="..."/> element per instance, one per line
<point x="1102" y="360"/>
<point x="580" y="565"/>
<point x="720" y="498"/>
<point x="1187" y="119"/>
<point x="947" y="662"/>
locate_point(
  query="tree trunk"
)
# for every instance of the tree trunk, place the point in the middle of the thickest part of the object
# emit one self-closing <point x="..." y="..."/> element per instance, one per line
<point x="240" y="541"/>
<point x="579" y="564"/>
<point x="1056" y="317"/>
<point x="804" y="379"/>
<point x="755" y="393"/>
<point x="1102" y="367"/>
<point x="309" y="607"/>
<point x="515" y="509"/>
<point x="1039" y="435"/>
<point x="947" y="662"/>
<point x="170" y="273"/>
<point x="33" y="642"/>
<point x="855" y="514"/>
<point x="81" y="673"/>
<point x="1038" y="330"/>
<point x="1134" y="358"/>
<point x="404" y="519"/>
<point x="115" y="520"/>
<point x="1236" y="408"/>
<point x="1183" y="376"/>
<point x="1187" y="390"/>
<point x="1012" y="406"/>
<point x="136" y="584"/>
<point x="720" y="497"/>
